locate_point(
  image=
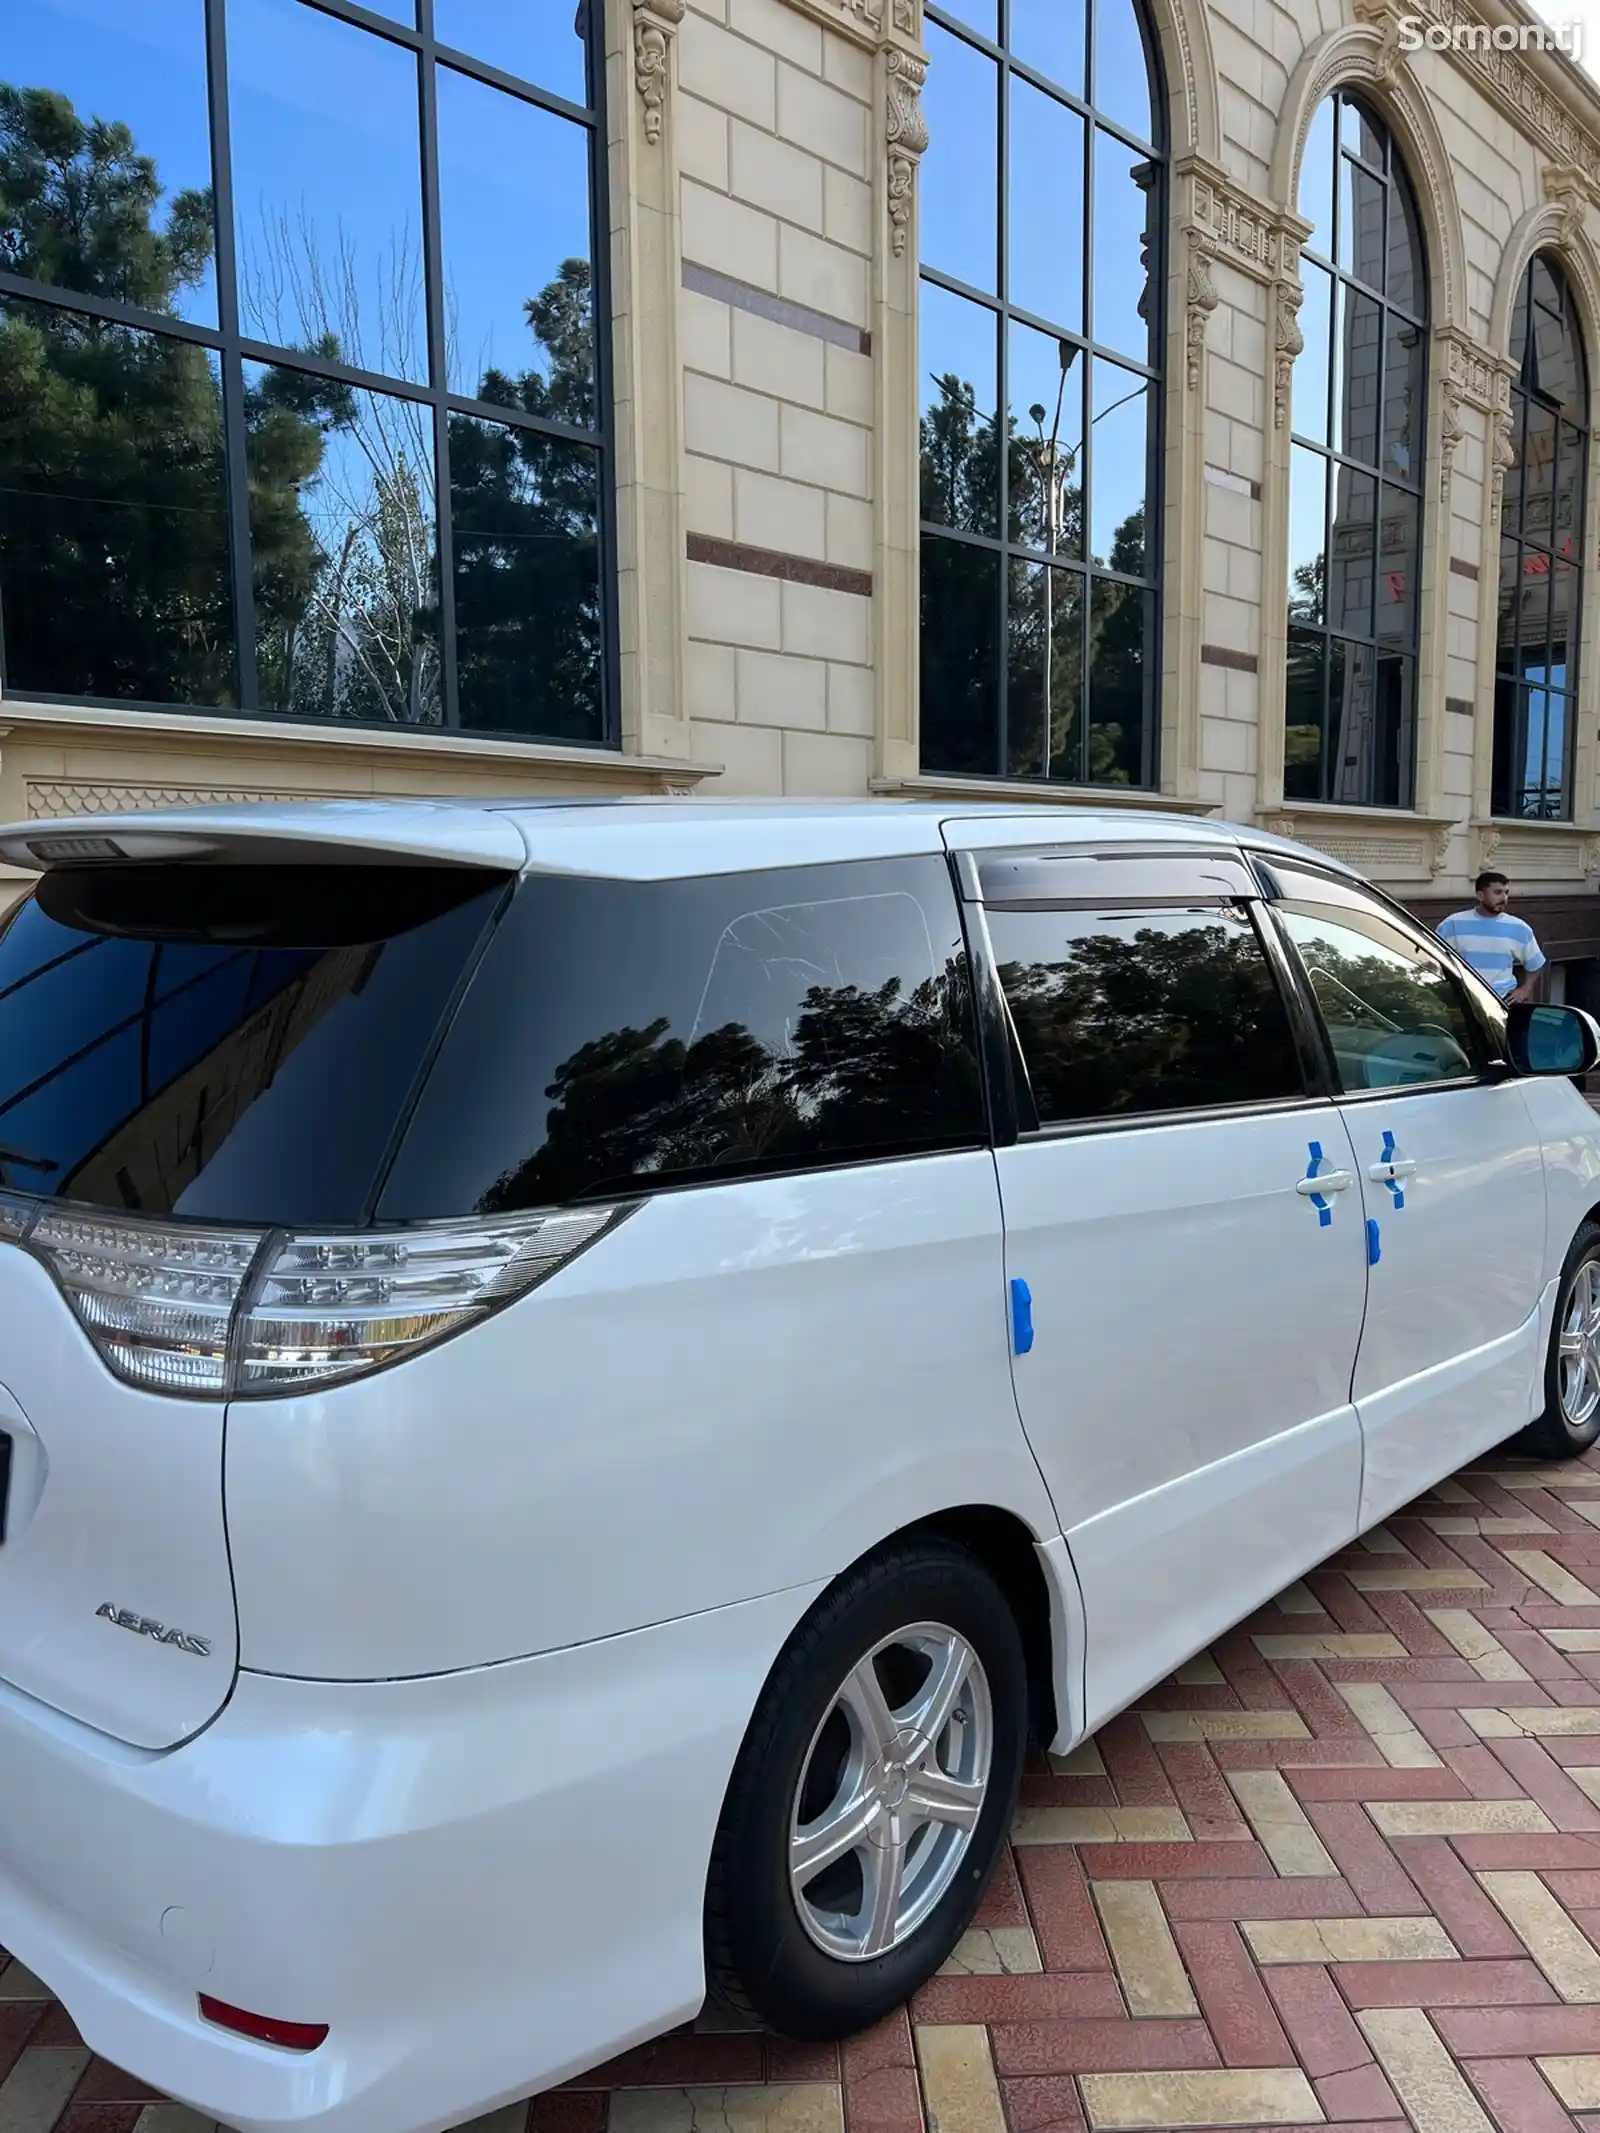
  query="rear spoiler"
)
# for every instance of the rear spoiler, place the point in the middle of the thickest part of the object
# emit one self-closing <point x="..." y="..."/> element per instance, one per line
<point x="321" y="833"/>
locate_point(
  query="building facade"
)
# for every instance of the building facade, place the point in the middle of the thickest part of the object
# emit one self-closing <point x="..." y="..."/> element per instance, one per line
<point x="1126" y="398"/>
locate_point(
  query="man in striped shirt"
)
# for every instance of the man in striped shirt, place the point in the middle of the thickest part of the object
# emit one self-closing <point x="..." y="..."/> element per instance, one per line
<point x="1500" y="948"/>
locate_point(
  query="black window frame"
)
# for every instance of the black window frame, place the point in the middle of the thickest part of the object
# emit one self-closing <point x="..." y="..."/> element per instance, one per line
<point x="1010" y="553"/>
<point x="1519" y="546"/>
<point x="233" y="349"/>
<point x="1321" y="638"/>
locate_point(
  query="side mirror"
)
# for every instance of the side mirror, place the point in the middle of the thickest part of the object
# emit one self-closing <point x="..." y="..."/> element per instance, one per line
<point x="1551" y="1040"/>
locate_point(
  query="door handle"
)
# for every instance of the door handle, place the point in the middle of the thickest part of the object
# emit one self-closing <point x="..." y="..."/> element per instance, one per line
<point x="1329" y="1181"/>
<point x="1398" y="1166"/>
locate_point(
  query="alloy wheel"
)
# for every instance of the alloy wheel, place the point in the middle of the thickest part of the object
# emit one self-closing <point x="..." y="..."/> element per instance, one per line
<point x="891" y="1790"/>
<point x="1579" y="1349"/>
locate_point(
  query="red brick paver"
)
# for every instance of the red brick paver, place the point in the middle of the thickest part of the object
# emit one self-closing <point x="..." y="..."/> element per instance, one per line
<point x="1360" y="1888"/>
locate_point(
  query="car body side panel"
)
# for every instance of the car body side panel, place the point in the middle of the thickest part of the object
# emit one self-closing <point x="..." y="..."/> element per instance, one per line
<point x="741" y="1389"/>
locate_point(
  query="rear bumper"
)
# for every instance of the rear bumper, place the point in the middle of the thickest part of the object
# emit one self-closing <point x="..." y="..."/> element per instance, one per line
<point x="483" y="1883"/>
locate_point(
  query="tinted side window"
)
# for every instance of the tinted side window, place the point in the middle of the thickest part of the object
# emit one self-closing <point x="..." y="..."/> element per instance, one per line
<point x="1135" y="1012"/>
<point x="619" y="1033"/>
<point x="1395" y="1016"/>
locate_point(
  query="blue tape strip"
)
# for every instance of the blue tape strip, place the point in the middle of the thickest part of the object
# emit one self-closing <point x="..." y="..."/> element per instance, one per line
<point x="1394" y="1184"/>
<point x="1374" y="1245"/>
<point x="1021" y="1316"/>
<point x="1324" y="1211"/>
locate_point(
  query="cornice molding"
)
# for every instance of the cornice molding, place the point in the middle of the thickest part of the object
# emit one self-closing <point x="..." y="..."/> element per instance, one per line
<point x="1515" y="85"/>
<point x="871" y="23"/>
<point x="1234" y="226"/>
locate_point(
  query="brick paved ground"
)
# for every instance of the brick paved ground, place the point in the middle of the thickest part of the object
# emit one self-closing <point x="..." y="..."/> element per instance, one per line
<point x="1345" y="1869"/>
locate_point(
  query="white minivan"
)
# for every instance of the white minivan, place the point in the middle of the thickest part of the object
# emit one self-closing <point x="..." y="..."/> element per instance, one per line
<point x="575" y="1377"/>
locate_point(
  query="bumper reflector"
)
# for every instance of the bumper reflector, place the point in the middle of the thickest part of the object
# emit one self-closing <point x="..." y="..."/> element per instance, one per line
<point x="288" y="2036"/>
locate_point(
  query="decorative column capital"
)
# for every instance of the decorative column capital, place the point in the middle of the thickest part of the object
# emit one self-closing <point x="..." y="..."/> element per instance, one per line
<point x="1569" y="187"/>
<point x="1387" y="18"/>
<point x="655" y="22"/>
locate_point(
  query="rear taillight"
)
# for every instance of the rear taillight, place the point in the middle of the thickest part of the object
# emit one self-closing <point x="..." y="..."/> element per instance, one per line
<point x="220" y="1313"/>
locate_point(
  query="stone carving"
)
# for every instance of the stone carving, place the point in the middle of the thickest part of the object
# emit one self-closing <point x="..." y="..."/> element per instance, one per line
<point x="1237" y="229"/>
<point x="1201" y="301"/>
<point x="1502" y="458"/>
<point x="1450" y="435"/>
<point x="1287" y="342"/>
<point x="1439" y="847"/>
<point x="1507" y="76"/>
<point x="1567" y="186"/>
<point x="654" y="22"/>
<point x="1476" y="377"/>
<point x="906" y="127"/>
<point x="1386" y="17"/>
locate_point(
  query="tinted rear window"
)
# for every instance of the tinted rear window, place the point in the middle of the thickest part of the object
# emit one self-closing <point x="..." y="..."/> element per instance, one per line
<point x="232" y="1043"/>
<point x="620" y="1033"/>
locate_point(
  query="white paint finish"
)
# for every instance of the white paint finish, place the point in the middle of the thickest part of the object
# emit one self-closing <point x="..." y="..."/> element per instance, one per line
<point x="1205" y="1452"/>
<point x="371" y="1857"/>
<point x="742" y="1388"/>
<point x="128" y="1509"/>
<point x="1451" y="1348"/>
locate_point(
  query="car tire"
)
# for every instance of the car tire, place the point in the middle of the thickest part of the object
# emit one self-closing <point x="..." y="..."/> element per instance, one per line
<point x="1570" y="1423"/>
<point x="831" y="1898"/>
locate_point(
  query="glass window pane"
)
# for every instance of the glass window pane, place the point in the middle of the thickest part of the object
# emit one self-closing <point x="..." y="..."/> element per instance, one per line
<point x="1122" y="1014"/>
<point x="1303" y="715"/>
<point x="1370" y="720"/>
<point x="1121" y="650"/>
<point x="983" y="15"/>
<point x="960" y="658"/>
<point x="114" y="558"/>
<point x="1044" y="673"/>
<point x="1353" y="552"/>
<point x="344" y="550"/>
<point x="526" y="513"/>
<point x="1565" y="609"/>
<point x="1533" y="627"/>
<point x="1407" y="285"/>
<point x="1045" y="383"/>
<point x="959" y="438"/>
<point x="1310" y="375"/>
<point x="1046" y="207"/>
<point x="1308" y="534"/>
<point x="1124" y="199"/>
<point x="1049" y="36"/>
<point x="327" y="187"/>
<point x="1360" y="135"/>
<point x="86" y="219"/>
<point x="1122" y="68"/>
<point x="1316" y="180"/>
<point x="1395" y="1017"/>
<point x="514" y="227"/>
<point x="543" y="41"/>
<point x="1567" y="508"/>
<point x="1358" y="350"/>
<point x="1361" y="231"/>
<point x="1118" y="468"/>
<point x="1509" y="606"/>
<point x="959" y="215"/>
<point x="1504" y="796"/>
<point x="1398" y="563"/>
<point x="1404" y="370"/>
<point x="1538" y="473"/>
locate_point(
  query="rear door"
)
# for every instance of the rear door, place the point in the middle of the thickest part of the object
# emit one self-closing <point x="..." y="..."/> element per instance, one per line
<point x="1452" y="1176"/>
<point x="187" y="1057"/>
<point x="1179" y="1202"/>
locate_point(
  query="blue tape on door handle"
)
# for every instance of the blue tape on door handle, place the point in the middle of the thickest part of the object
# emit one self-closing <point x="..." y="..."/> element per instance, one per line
<point x="1394" y="1184"/>
<point x="1374" y="1244"/>
<point x="1318" y="1201"/>
<point x="1021" y="1316"/>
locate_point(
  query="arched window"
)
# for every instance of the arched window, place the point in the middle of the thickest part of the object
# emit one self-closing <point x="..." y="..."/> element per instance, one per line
<point x="1541" y="552"/>
<point x="1355" y="488"/>
<point x="1042" y="212"/>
